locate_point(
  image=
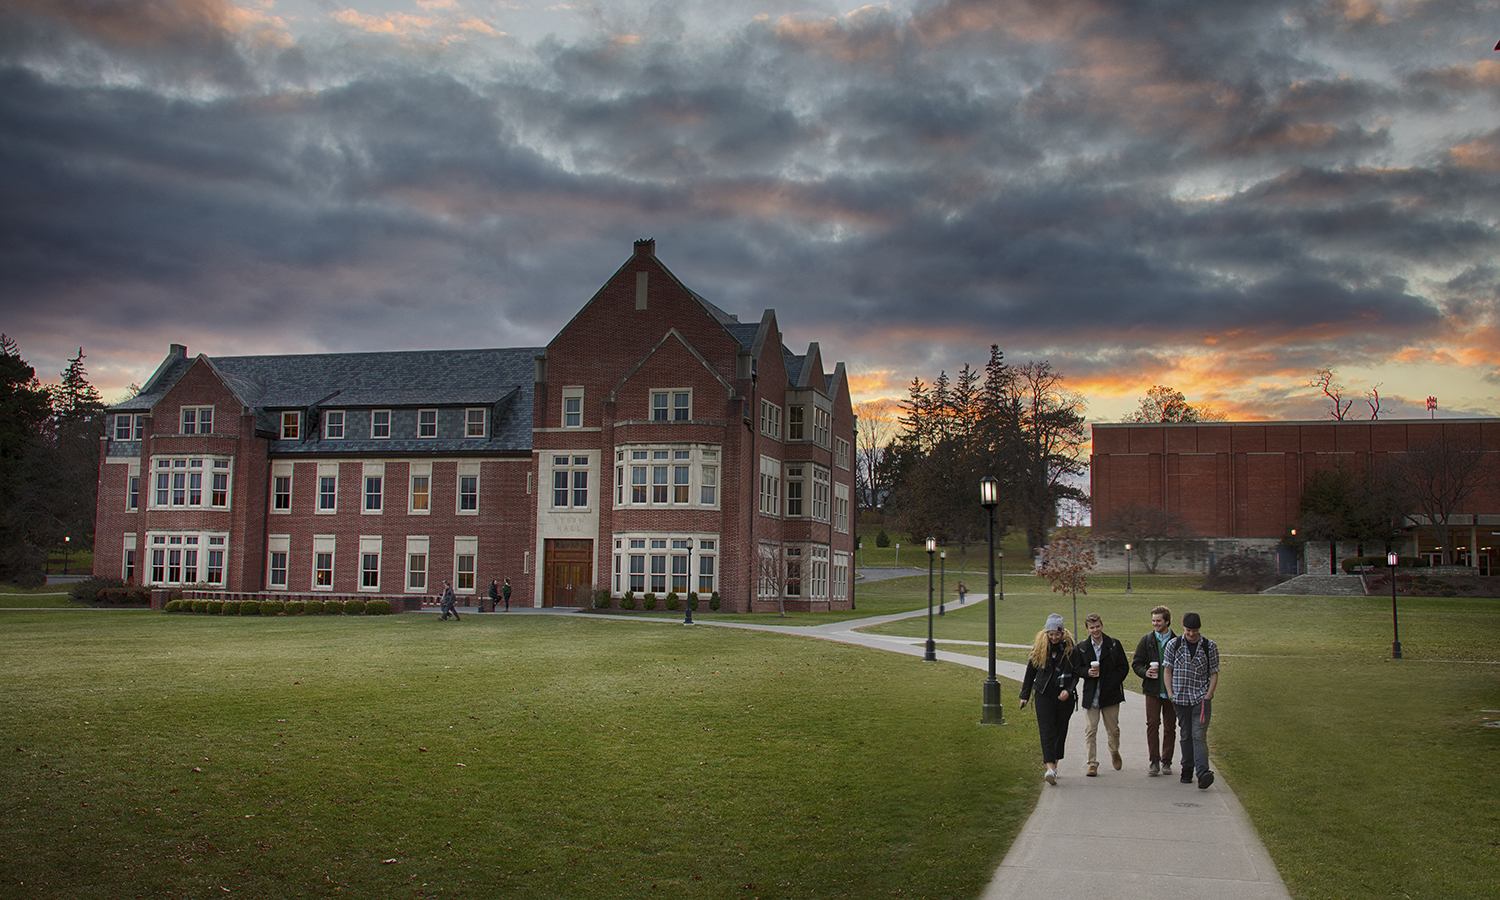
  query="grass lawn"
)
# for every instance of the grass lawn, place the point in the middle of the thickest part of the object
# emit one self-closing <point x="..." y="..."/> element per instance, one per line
<point x="1365" y="776"/>
<point x="524" y="756"/>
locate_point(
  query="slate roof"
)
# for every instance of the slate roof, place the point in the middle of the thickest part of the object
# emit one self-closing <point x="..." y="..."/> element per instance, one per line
<point x="502" y="379"/>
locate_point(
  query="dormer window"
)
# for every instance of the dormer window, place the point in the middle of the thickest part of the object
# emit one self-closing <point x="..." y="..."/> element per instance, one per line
<point x="291" y="426"/>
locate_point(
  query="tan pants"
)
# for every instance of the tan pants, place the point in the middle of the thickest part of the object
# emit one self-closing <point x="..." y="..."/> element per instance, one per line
<point x="1111" y="716"/>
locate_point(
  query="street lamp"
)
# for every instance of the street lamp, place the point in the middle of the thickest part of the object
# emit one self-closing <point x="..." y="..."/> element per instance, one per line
<point x="1127" y="568"/>
<point x="688" y="619"/>
<point x="1391" y="559"/>
<point x="931" y="645"/>
<point x="942" y="579"/>
<point x="989" y="498"/>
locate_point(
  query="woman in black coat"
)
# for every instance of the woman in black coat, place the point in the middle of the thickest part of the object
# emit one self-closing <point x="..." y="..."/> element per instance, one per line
<point x="1051" y="674"/>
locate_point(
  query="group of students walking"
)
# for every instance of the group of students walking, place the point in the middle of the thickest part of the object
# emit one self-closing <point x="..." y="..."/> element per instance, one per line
<point x="1179" y="674"/>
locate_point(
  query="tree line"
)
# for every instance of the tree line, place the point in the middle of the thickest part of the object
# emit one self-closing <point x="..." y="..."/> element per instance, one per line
<point x="49" y="463"/>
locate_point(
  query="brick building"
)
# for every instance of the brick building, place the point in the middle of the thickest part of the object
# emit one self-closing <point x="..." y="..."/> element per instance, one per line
<point x="656" y="444"/>
<point x="1238" y="484"/>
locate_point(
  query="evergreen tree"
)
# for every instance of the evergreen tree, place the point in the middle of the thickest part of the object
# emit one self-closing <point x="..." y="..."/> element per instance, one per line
<point x="24" y="409"/>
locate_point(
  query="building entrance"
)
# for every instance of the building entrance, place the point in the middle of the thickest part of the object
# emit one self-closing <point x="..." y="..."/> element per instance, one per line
<point x="568" y="572"/>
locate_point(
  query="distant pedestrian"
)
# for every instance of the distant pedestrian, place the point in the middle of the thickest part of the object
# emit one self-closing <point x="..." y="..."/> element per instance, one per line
<point x="505" y="592"/>
<point x="1192" y="675"/>
<point x="494" y="595"/>
<point x="961" y="592"/>
<point x="1159" y="710"/>
<point x="1051" y="674"/>
<point x="1104" y="668"/>
<point x="449" y="603"/>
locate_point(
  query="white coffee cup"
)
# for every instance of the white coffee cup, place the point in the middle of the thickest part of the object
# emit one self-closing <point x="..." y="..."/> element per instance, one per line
<point x="1151" y="670"/>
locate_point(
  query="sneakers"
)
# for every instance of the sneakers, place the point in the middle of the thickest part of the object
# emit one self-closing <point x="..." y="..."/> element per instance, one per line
<point x="1155" y="768"/>
<point x="1166" y="767"/>
<point x="1206" y="780"/>
<point x="1093" y="770"/>
<point x="1114" y="758"/>
<point x="1187" y="776"/>
<point x="1051" y="776"/>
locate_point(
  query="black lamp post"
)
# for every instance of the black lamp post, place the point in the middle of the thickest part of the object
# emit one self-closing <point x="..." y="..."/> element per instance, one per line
<point x="67" y="542"/>
<point x="1127" y="568"/>
<point x="989" y="498"/>
<point x="942" y="579"/>
<point x="688" y="618"/>
<point x="931" y="645"/>
<point x="1391" y="559"/>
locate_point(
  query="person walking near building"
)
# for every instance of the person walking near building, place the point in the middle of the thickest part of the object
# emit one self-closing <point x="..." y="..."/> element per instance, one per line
<point x="505" y="593"/>
<point x="1191" y="665"/>
<point x="1103" y="668"/>
<point x="1051" y="674"/>
<point x="494" y="595"/>
<point x="449" y="603"/>
<point x="1160" y="715"/>
<point x="962" y="592"/>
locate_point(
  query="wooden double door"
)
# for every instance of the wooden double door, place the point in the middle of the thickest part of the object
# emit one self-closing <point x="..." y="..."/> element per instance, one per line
<point x="568" y="572"/>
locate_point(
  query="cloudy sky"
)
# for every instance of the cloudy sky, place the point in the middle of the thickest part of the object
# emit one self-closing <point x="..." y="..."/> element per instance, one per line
<point x="1218" y="195"/>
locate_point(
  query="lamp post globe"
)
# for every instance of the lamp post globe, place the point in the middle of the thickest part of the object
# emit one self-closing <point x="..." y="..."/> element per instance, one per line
<point x="931" y="655"/>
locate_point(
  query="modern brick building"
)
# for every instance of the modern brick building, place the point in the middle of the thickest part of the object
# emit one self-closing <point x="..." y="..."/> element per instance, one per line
<point x="1238" y="484"/>
<point x="656" y="444"/>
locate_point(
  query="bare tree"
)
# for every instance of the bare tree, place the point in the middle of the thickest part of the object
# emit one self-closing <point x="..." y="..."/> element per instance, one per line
<point x="1372" y="397"/>
<point x="877" y="425"/>
<point x="768" y="572"/>
<point x="1067" y="562"/>
<point x="1151" y="531"/>
<point x="1439" y="476"/>
<point x="1326" y="381"/>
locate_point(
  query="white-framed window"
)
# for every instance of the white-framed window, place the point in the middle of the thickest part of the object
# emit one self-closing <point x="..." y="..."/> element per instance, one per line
<point x="374" y="489"/>
<point x="675" y="405"/>
<point x="822" y="424"/>
<point x="182" y="557"/>
<point x="572" y="407"/>
<point x="465" y="553"/>
<point x="291" y="425"/>
<point x="667" y="475"/>
<point x="129" y="426"/>
<point x="708" y="555"/>
<point x="180" y="482"/>
<point x="380" y="424"/>
<point x="420" y="497"/>
<point x="840" y="587"/>
<point x="794" y="485"/>
<point x="770" y="420"/>
<point x="662" y="562"/>
<point x="476" y="418"/>
<point x="369" y="562"/>
<point x="794" y="415"/>
<point x="333" y="424"/>
<point x="570" y="481"/>
<point x="278" y="551"/>
<point x="427" y="423"/>
<point x="817" y="572"/>
<point x="133" y="485"/>
<point x="322" y="575"/>
<point x="841" y="453"/>
<point x="281" y="488"/>
<point x="768" y="570"/>
<point x="841" y="508"/>
<point x="770" y="486"/>
<point x="820" y="490"/>
<point x="793" y="557"/>
<point x="468" y="489"/>
<point x="197" y="420"/>
<point x="416" y="564"/>
<point x="128" y="560"/>
<point x="328" y="488"/>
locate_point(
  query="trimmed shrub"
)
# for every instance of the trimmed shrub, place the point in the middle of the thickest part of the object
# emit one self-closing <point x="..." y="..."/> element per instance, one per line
<point x="601" y="599"/>
<point x="882" y="539"/>
<point x="354" y="607"/>
<point x="271" y="607"/>
<point x="231" y="608"/>
<point x="628" y="601"/>
<point x="295" y="607"/>
<point x="333" y="608"/>
<point x="693" y="600"/>
<point x="313" y="608"/>
<point x="174" y="606"/>
<point x="250" y="608"/>
<point x="199" y="606"/>
<point x="378" y="608"/>
<point x="648" y="602"/>
<point x="714" y="601"/>
<point x="215" y="607"/>
<point x="672" y="602"/>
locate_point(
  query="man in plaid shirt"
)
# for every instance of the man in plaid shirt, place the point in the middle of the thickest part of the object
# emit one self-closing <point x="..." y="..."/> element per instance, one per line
<point x="1191" y="664"/>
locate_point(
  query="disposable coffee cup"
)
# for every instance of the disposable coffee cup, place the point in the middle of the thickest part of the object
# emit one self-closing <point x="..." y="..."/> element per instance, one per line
<point x="1151" y="670"/>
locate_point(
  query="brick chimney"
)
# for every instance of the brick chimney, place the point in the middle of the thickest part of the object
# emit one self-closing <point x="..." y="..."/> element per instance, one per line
<point x="646" y="247"/>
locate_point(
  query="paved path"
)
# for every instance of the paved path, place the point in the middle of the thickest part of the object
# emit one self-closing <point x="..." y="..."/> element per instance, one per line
<point x="1121" y="835"/>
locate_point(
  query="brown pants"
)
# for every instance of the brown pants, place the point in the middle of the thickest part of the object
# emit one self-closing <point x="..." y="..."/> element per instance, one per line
<point x="1160" y="712"/>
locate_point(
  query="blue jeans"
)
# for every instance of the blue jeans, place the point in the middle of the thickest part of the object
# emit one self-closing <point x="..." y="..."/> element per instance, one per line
<point x="1192" y="724"/>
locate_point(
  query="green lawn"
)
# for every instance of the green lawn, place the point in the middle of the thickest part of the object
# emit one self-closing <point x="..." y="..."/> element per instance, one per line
<point x="523" y="756"/>
<point x="1365" y="776"/>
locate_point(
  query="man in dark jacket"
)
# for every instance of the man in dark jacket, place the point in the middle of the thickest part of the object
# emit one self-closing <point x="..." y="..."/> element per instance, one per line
<point x="1102" y="661"/>
<point x="1159" y="710"/>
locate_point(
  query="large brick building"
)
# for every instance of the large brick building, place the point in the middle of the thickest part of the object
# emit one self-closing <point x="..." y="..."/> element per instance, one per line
<point x="1238" y="484"/>
<point x="656" y="444"/>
